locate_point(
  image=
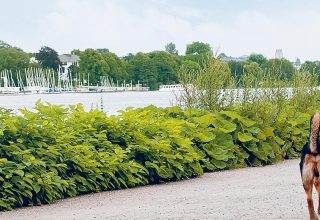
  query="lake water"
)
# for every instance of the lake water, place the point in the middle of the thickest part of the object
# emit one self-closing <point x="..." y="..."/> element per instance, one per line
<point x="112" y="102"/>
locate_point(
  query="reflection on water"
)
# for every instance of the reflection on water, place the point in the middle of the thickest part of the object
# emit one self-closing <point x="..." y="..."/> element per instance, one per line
<point x="112" y="102"/>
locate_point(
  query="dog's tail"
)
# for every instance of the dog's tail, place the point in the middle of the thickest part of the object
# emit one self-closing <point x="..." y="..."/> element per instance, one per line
<point x="314" y="132"/>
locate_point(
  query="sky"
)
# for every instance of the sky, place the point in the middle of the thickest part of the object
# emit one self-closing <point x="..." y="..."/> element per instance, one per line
<point x="234" y="27"/>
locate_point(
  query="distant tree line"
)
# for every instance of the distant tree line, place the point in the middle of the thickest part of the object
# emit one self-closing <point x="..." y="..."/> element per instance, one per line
<point x="151" y="69"/>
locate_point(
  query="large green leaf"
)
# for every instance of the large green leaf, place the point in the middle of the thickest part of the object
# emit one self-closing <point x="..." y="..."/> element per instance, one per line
<point x="245" y="137"/>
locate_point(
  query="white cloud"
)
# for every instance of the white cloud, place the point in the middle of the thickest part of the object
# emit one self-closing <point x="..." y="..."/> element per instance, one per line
<point x="132" y="28"/>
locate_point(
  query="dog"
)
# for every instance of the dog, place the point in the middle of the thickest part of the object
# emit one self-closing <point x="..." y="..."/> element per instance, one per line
<point x="310" y="165"/>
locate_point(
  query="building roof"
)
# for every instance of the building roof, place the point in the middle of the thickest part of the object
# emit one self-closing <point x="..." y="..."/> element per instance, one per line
<point x="64" y="58"/>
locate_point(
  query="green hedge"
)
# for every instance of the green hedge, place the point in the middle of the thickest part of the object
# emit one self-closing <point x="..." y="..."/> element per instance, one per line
<point x="53" y="152"/>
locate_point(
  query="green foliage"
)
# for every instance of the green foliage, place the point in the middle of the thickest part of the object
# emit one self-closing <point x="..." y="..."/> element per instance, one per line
<point x="92" y="62"/>
<point x="190" y="65"/>
<point x="153" y="69"/>
<point x="281" y="66"/>
<point x="140" y="68"/>
<point x="198" y="48"/>
<point x="117" y="68"/>
<point x="254" y="70"/>
<point x="312" y="67"/>
<point x="257" y="58"/>
<point x="236" y="68"/>
<point x="55" y="152"/>
<point x="210" y="88"/>
<point x="13" y="59"/>
<point x="48" y="58"/>
<point x="166" y="67"/>
<point x="171" y="48"/>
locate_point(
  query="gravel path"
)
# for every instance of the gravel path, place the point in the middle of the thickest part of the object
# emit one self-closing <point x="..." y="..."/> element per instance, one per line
<point x="271" y="192"/>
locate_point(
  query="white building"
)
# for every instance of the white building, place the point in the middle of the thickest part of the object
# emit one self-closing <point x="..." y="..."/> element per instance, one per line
<point x="67" y="60"/>
<point x="33" y="60"/>
<point x="279" y="54"/>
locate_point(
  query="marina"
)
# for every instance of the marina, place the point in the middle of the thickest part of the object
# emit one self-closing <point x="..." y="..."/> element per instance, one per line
<point x="38" y="80"/>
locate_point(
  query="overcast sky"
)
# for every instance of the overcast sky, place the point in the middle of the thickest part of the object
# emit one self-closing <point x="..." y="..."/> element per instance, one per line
<point x="235" y="27"/>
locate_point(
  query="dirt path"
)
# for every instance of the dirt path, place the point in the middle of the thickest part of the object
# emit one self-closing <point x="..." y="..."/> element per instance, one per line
<point x="272" y="192"/>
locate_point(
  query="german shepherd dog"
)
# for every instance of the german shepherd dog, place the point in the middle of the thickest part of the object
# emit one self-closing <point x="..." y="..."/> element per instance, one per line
<point x="310" y="165"/>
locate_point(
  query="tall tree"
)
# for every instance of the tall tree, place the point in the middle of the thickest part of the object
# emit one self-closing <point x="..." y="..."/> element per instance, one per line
<point x="99" y="63"/>
<point x="117" y="69"/>
<point x="171" y="48"/>
<point x="48" y="58"/>
<point x="282" y="67"/>
<point x="190" y="66"/>
<point x="13" y="59"/>
<point x="258" y="58"/>
<point x="166" y="67"/>
<point x="237" y="69"/>
<point x="253" y="69"/>
<point x="140" y="68"/>
<point x="312" y="67"/>
<point x="93" y="64"/>
<point x="199" y="48"/>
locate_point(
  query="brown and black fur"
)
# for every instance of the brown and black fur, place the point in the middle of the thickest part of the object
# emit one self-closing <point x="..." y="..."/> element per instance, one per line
<point x="310" y="165"/>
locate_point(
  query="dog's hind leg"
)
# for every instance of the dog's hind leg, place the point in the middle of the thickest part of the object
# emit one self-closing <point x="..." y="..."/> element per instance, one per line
<point x="317" y="186"/>
<point x="317" y="181"/>
<point x="308" y="188"/>
<point x="308" y="180"/>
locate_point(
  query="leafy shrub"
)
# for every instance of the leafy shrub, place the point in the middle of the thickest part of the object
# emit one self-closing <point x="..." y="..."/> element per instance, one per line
<point x="55" y="152"/>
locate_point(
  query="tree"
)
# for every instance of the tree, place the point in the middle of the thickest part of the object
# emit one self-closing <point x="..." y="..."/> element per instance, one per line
<point x="254" y="69"/>
<point x="140" y="68"/>
<point x="312" y="67"/>
<point x="258" y="58"/>
<point x="117" y="69"/>
<point x="198" y="48"/>
<point x="282" y="67"/>
<point x="48" y="58"/>
<point x="253" y="74"/>
<point x="13" y="59"/>
<point x="237" y="69"/>
<point x="208" y="82"/>
<point x="166" y="67"/>
<point x="190" y="66"/>
<point x="171" y="48"/>
<point x="94" y="64"/>
<point x="99" y="63"/>
<point x="103" y="50"/>
<point x="221" y="56"/>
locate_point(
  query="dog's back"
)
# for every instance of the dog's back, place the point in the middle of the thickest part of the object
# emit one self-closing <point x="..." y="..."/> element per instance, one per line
<point x="314" y="133"/>
<point x="312" y="146"/>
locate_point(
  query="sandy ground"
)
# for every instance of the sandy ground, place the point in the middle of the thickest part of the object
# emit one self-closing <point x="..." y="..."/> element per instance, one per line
<point x="271" y="192"/>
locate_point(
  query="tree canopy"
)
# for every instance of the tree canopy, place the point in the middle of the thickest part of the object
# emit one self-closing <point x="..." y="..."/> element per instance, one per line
<point x="48" y="58"/>
<point x="151" y="69"/>
<point x="257" y="58"/>
<point x="281" y="66"/>
<point x="13" y="59"/>
<point x="198" y="48"/>
<point x="171" y="48"/>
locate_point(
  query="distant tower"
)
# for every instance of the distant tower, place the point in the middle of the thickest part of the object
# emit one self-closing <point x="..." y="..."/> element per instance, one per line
<point x="279" y="54"/>
<point x="297" y="64"/>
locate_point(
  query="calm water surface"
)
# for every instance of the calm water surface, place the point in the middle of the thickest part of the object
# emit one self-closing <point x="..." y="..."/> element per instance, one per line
<point x="112" y="102"/>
